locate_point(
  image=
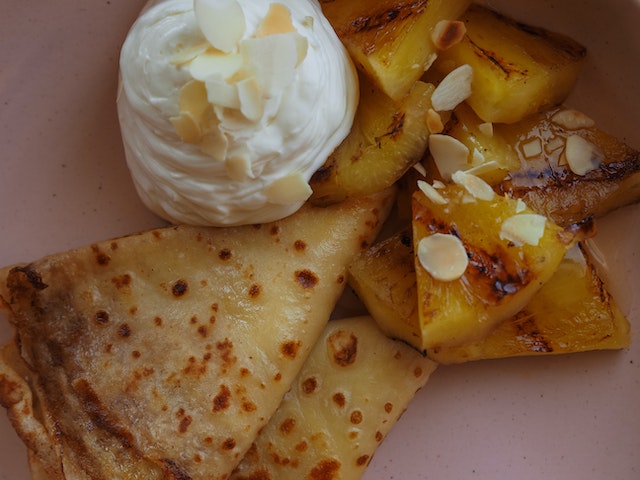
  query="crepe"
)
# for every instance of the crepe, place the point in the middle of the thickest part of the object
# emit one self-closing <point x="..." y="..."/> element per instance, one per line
<point x="162" y="354"/>
<point x="350" y="392"/>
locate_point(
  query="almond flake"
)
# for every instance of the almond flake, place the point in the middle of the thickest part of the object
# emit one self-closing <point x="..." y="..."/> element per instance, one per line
<point x="486" y="129"/>
<point x="443" y="256"/>
<point x="215" y="144"/>
<point x="449" y="154"/>
<point x="251" y="101"/>
<point x="524" y="228"/>
<point x="186" y="127"/>
<point x="277" y="20"/>
<point x="554" y="144"/>
<point x="431" y="193"/>
<point x="288" y="190"/>
<point x="520" y="206"/>
<point x="582" y="155"/>
<point x="222" y="22"/>
<point x="213" y="63"/>
<point x="434" y="121"/>
<point x="418" y="167"/>
<point x="453" y="89"/>
<point x="447" y="33"/>
<point x="238" y="168"/>
<point x="476" y="187"/>
<point x="572" y="119"/>
<point x="484" y="168"/>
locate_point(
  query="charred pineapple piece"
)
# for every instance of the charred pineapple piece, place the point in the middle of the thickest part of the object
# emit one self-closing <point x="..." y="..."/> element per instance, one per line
<point x="385" y="140"/>
<point x="384" y="279"/>
<point x="390" y="40"/>
<point x="569" y="168"/>
<point x="480" y="258"/>
<point x="518" y="69"/>
<point x="572" y="312"/>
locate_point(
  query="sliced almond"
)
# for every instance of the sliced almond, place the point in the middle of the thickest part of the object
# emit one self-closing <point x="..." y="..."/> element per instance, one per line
<point x="453" y="89"/>
<point x="277" y="20"/>
<point x="447" y="33"/>
<point x="251" y="100"/>
<point x="554" y="144"/>
<point x="187" y="127"/>
<point x="288" y="190"/>
<point x="572" y="119"/>
<point x="238" y="168"/>
<point x="524" y="228"/>
<point x="213" y="63"/>
<point x="486" y="129"/>
<point x="582" y="155"/>
<point x="475" y="186"/>
<point x="443" y="256"/>
<point x="431" y="193"/>
<point x="449" y="154"/>
<point x="222" y="22"/>
<point x="434" y="121"/>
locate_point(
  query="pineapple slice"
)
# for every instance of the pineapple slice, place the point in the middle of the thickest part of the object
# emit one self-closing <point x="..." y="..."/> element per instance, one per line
<point x="480" y="258"/>
<point x="386" y="139"/>
<point x="518" y="69"/>
<point x="390" y="40"/>
<point x="384" y="279"/>
<point x="569" y="169"/>
<point x="572" y="312"/>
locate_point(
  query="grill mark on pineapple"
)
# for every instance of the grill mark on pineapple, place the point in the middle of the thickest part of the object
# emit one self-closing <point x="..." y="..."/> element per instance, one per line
<point x="493" y="58"/>
<point x="379" y="20"/>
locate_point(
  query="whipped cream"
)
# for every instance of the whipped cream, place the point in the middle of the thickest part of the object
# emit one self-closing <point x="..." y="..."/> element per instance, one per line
<point x="227" y="107"/>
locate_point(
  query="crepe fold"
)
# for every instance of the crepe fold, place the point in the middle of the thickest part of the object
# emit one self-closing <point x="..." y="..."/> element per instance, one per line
<point x="161" y="355"/>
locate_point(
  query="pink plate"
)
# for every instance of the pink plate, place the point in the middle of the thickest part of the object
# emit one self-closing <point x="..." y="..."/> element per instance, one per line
<point x="64" y="183"/>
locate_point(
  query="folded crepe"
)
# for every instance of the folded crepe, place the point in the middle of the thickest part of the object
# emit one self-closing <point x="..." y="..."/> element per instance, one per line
<point x="350" y="392"/>
<point x="162" y="354"/>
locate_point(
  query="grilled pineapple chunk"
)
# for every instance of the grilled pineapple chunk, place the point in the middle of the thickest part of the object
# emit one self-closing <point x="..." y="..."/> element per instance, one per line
<point x="569" y="168"/>
<point x="385" y="140"/>
<point x="390" y="40"/>
<point x="518" y="69"/>
<point x="572" y="312"/>
<point x="384" y="279"/>
<point x="502" y="250"/>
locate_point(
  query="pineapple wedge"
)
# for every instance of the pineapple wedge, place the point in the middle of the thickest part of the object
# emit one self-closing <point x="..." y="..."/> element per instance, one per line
<point x="561" y="182"/>
<point x="572" y="312"/>
<point x="384" y="279"/>
<point x="501" y="251"/>
<point x="518" y="69"/>
<point x="385" y="140"/>
<point x="390" y="40"/>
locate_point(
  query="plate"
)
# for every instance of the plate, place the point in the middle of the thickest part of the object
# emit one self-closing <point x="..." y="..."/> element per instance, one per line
<point x="64" y="183"/>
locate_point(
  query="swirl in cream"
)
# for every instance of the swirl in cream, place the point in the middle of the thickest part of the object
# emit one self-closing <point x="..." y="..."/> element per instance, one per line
<point x="227" y="108"/>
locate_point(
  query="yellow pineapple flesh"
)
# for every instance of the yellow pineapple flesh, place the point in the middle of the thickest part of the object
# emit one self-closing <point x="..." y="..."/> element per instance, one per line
<point x="385" y="140"/>
<point x="518" y="69"/>
<point x="511" y="253"/>
<point x="383" y="277"/>
<point x="572" y="312"/>
<point x="390" y="40"/>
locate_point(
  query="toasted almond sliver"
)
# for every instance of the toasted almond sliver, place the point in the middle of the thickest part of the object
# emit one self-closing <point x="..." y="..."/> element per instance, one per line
<point x="532" y="148"/>
<point x="447" y="33"/>
<point x="523" y="228"/>
<point x="288" y="190"/>
<point x="449" y="154"/>
<point x="434" y="121"/>
<point x="431" y="193"/>
<point x="222" y="22"/>
<point x="443" y="256"/>
<point x="572" y="119"/>
<point x="582" y="155"/>
<point x="486" y="129"/>
<point x="476" y="187"/>
<point x="453" y="89"/>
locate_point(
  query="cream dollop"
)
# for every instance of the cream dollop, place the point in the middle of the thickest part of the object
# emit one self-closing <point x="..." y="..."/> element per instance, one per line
<point x="227" y="107"/>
